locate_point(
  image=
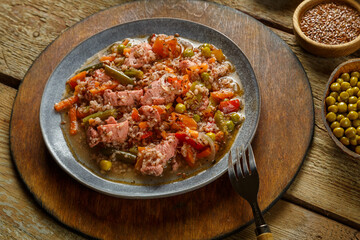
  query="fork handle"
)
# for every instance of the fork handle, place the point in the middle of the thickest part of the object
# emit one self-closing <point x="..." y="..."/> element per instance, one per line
<point x="263" y="232"/>
<point x="265" y="236"/>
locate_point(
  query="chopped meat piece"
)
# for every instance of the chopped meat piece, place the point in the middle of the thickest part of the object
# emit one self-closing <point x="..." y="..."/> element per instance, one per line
<point x="140" y="55"/>
<point x="113" y="133"/>
<point x="155" y="94"/>
<point x="155" y="159"/>
<point x="100" y="76"/>
<point x="92" y="137"/>
<point x="122" y="98"/>
<point x="150" y="113"/>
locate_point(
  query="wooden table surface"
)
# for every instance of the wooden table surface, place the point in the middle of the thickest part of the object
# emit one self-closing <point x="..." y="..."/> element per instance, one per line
<point x="322" y="203"/>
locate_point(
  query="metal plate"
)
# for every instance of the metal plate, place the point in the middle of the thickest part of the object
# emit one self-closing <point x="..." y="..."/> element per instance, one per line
<point x="50" y="119"/>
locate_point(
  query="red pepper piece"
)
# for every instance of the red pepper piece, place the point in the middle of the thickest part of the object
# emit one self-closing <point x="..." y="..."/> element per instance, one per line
<point x="183" y="137"/>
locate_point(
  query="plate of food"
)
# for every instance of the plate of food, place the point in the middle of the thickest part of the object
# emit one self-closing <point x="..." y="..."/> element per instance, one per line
<point x="150" y="108"/>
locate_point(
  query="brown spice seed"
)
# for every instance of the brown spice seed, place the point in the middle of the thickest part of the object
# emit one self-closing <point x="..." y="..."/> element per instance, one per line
<point x="331" y="23"/>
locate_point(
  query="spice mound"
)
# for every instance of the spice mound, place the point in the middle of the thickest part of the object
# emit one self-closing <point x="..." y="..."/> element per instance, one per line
<point x="331" y="23"/>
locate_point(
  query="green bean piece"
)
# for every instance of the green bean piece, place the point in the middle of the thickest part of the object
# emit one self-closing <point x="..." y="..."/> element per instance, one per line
<point x="92" y="67"/>
<point x="220" y="121"/>
<point x="101" y="115"/>
<point x="134" y="73"/>
<point x="118" y="75"/>
<point x="134" y="150"/>
<point x="125" y="157"/>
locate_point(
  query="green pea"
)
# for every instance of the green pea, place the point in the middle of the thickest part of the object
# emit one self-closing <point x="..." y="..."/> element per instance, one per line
<point x="345" y="77"/>
<point x="358" y="130"/>
<point x="356" y="123"/>
<point x="330" y="100"/>
<point x="345" y="122"/>
<point x="105" y="165"/>
<point x="334" y="125"/>
<point x="357" y="149"/>
<point x="339" y="117"/>
<point x="333" y="108"/>
<point x="350" y="92"/>
<point x="338" y="132"/>
<point x="205" y="76"/>
<point x="197" y="118"/>
<point x="235" y="117"/>
<point x="206" y="52"/>
<point x="334" y="95"/>
<point x="121" y="48"/>
<point x="345" y="86"/>
<point x="355" y="90"/>
<point x="339" y="80"/>
<point x="353" y="99"/>
<point x="355" y="74"/>
<point x="335" y="87"/>
<point x="352" y="115"/>
<point x="230" y="125"/>
<point x="353" y="81"/>
<point x="206" y="45"/>
<point x="342" y="107"/>
<point x="352" y="107"/>
<point x="211" y="135"/>
<point x="345" y="141"/>
<point x="344" y="96"/>
<point x="188" y="52"/>
<point x="353" y="140"/>
<point x="331" y="117"/>
<point x="180" y="108"/>
<point x="350" y="132"/>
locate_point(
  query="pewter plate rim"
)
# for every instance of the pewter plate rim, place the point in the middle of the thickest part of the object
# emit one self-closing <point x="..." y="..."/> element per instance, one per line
<point x="55" y="86"/>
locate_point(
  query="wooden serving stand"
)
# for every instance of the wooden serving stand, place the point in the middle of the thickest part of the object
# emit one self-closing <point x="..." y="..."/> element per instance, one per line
<point x="280" y="145"/>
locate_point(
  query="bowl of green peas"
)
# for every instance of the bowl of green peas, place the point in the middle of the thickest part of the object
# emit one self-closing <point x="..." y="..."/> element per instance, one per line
<point x="341" y="107"/>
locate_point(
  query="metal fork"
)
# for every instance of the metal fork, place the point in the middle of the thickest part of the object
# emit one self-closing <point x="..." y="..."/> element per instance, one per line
<point x="245" y="180"/>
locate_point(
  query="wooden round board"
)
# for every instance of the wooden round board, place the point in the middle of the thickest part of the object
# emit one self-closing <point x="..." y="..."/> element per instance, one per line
<point x="283" y="136"/>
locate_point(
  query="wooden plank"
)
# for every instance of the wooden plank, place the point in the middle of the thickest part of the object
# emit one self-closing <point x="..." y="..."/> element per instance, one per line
<point x="26" y="28"/>
<point x="20" y="216"/>
<point x="329" y="180"/>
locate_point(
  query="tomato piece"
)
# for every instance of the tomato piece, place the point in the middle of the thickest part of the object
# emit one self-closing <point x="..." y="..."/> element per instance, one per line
<point x="183" y="137"/>
<point x="229" y="106"/>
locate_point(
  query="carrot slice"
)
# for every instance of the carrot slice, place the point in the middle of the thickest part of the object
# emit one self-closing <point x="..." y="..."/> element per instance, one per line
<point x="204" y="153"/>
<point x="135" y="115"/>
<point x="73" y="81"/>
<point x="107" y="58"/>
<point x="66" y="103"/>
<point x="143" y="125"/>
<point x="102" y="88"/>
<point x="73" y="121"/>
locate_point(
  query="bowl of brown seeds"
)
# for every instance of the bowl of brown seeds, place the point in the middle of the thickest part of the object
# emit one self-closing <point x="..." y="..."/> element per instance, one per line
<point x="328" y="28"/>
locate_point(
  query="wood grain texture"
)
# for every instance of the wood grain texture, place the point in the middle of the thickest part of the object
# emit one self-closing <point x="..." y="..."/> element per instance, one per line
<point x="108" y="217"/>
<point x="330" y="180"/>
<point x="321" y="185"/>
<point x="27" y="27"/>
